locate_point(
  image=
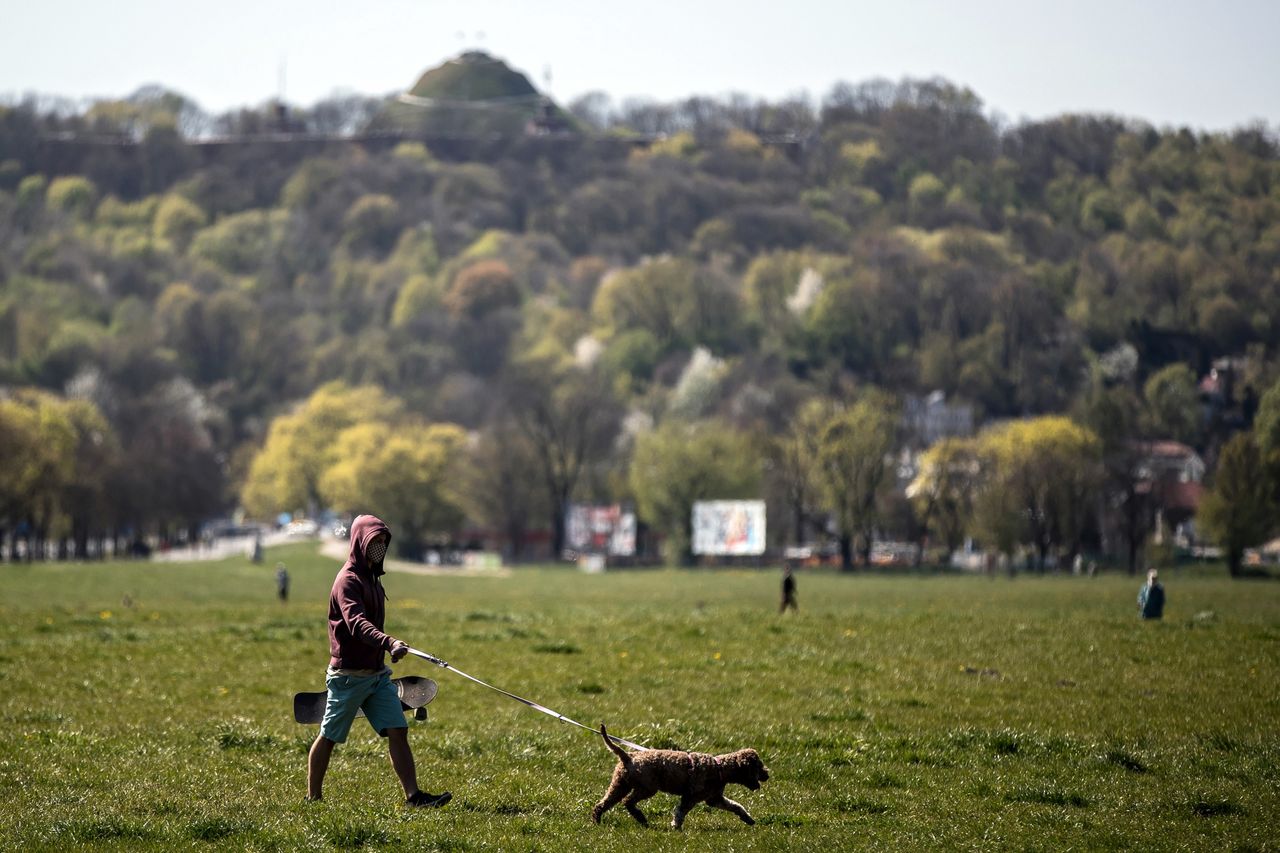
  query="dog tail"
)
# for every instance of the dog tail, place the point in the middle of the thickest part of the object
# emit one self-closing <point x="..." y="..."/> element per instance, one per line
<point x="617" y="750"/>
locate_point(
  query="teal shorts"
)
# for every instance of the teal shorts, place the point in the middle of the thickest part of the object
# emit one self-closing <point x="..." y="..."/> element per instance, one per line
<point x="349" y="693"/>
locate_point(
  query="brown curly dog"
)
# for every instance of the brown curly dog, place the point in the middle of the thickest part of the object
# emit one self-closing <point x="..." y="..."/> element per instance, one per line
<point x="695" y="776"/>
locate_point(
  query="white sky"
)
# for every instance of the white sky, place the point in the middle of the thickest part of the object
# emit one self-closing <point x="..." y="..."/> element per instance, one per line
<point x="1171" y="62"/>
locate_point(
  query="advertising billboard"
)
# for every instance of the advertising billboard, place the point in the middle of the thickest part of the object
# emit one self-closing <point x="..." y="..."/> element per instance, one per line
<point x="728" y="528"/>
<point x="601" y="530"/>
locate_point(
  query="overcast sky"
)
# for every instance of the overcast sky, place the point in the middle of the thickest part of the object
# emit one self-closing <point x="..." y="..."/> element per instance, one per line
<point x="1171" y="62"/>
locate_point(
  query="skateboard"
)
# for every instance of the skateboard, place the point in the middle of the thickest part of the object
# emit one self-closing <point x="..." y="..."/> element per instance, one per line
<point x="415" y="691"/>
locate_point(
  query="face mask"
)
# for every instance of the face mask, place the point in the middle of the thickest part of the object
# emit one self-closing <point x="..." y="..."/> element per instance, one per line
<point x="377" y="550"/>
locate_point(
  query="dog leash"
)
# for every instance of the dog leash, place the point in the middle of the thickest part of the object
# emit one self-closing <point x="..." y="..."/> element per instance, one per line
<point x="534" y="705"/>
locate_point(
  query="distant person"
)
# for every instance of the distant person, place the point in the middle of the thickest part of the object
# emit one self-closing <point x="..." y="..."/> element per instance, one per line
<point x="788" y="591"/>
<point x="358" y="678"/>
<point x="282" y="582"/>
<point x="1151" y="597"/>
<point x="256" y="553"/>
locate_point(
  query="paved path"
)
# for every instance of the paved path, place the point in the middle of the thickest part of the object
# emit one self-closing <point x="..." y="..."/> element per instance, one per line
<point x="329" y="546"/>
<point x="220" y="549"/>
<point x="337" y="549"/>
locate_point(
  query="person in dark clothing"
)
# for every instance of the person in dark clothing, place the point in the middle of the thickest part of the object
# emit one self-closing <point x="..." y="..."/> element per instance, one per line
<point x="1151" y="597"/>
<point x="788" y="591"/>
<point x="282" y="582"/>
<point x="357" y="676"/>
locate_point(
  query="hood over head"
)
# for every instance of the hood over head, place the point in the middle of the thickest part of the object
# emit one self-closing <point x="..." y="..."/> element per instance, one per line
<point x="363" y="530"/>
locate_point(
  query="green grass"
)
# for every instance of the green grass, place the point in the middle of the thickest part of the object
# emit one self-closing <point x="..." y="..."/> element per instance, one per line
<point x="894" y="713"/>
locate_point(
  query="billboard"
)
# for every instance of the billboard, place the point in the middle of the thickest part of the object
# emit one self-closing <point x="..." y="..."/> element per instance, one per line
<point x="601" y="530"/>
<point x="728" y="527"/>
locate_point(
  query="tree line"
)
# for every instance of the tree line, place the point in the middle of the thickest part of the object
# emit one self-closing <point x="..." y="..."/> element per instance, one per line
<point x="586" y="321"/>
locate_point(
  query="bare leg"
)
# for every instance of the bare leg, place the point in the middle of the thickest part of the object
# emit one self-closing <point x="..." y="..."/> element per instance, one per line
<point x="317" y="765"/>
<point x="402" y="760"/>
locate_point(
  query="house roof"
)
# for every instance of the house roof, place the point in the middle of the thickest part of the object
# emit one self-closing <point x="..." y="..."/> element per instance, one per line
<point x="1167" y="449"/>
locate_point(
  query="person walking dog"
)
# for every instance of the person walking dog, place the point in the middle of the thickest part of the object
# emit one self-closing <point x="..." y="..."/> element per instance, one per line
<point x="357" y="676"/>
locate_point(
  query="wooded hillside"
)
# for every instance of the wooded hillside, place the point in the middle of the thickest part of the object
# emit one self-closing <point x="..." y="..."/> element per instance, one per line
<point x="568" y="299"/>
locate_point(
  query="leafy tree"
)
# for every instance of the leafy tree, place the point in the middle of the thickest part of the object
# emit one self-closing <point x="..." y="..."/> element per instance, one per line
<point x="122" y="214"/>
<point x="499" y="483"/>
<point x="1100" y="213"/>
<point x="632" y="357"/>
<point x="860" y="318"/>
<point x="86" y="498"/>
<point x="781" y="288"/>
<point x="1224" y="324"/>
<point x="678" y="464"/>
<point x="1173" y="404"/>
<point x="1142" y="221"/>
<point x="1040" y="481"/>
<point x="56" y="456"/>
<point x="1239" y="511"/>
<point x="30" y="195"/>
<point x="676" y="301"/>
<point x="944" y="488"/>
<point x="859" y="161"/>
<point x="925" y="196"/>
<point x="208" y="332"/>
<point x="309" y="183"/>
<point x="795" y="458"/>
<point x="239" y="243"/>
<point x="301" y="446"/>
<point x="35" y="458"/>
<point x="372" y="224"/>
<point x="1266" y="432"/>
<point x="171" y="475"/>
<point x="419" y="299"/>
<point x="73" y="195"/>
<point x="481" y="288"/>
<point x="1118" y="417"/>
<point x="177" y="220"/>
<point x="853" y="465"/>
<point x="570" y="418"/>
<point x="406" y="474"/>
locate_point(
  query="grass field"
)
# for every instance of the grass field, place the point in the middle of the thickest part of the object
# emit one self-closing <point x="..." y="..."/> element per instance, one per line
<point x="894" y="713"/>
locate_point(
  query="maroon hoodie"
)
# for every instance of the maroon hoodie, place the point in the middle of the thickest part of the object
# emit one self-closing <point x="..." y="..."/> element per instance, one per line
<point x="357" y="604"/>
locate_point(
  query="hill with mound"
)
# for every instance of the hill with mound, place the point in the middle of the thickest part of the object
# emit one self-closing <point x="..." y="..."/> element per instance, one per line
<point x="474" y="93"/>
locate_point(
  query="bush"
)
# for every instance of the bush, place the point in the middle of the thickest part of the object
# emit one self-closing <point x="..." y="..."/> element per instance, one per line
<point x="72" y="195"/>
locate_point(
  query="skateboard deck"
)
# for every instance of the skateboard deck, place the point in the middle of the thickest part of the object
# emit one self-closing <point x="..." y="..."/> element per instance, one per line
<point x="415" y="692"/>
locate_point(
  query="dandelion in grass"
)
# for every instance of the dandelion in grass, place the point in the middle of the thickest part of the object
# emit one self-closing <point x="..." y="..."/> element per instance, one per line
<point x="106" y="614"/>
